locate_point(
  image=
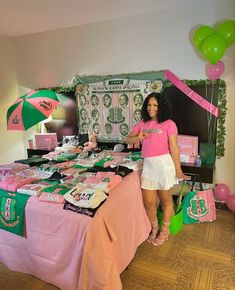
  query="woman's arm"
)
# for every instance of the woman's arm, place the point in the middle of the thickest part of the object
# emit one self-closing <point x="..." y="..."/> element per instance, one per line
<point x="175" y="154"/>
<point x="132" y="138"/>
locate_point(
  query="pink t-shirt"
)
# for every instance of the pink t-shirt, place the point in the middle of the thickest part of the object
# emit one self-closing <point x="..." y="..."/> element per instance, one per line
<point x="157" y="142"/>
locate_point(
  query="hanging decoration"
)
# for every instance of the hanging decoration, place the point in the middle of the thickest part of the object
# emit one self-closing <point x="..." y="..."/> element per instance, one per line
<point x="214" y="71"/>
<point x="212" y="44"/>
<point x="191" y="94"/>
<point x="110" y="106"/>
<point x="220" y="133"/>
<point x="226" y="30"/>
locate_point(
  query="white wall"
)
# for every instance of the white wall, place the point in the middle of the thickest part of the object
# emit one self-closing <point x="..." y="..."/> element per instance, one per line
<point x="156" y="40"/>
<point x="11" y="142"/>
<point x="153" y="41"/>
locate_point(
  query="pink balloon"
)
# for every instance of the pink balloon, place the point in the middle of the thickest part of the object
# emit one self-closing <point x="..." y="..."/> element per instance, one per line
<point x="231" y="202"/>
<point x="214" y="71"/>
<point x="221" y="191"/>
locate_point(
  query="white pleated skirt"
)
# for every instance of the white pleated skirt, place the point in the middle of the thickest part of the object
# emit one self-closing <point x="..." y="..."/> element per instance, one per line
<point x="158" y="173"/>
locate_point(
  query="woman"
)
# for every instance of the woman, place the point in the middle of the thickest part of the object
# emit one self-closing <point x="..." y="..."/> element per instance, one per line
<point x="138" y="100"/>
<point x="95" y="114"/>
<point x="108" y="128"/>
<point x="83" y="114"/>
<point x="124" y="129"/>
<point x="96" y="128"/>
<point x="123" y="100"/>
<point x="137" y="115"/>
<point x="161" y="168"/>
<point x="107" y="100"/>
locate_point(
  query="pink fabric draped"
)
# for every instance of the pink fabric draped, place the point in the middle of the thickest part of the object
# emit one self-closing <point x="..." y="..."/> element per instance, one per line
<point x="74" y="251"/>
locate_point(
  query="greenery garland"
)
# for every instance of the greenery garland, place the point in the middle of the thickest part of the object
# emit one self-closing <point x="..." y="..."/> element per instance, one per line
<point x="222" y="102"/>
<point x="221" y="132"/>
<point x="61" y="90"/>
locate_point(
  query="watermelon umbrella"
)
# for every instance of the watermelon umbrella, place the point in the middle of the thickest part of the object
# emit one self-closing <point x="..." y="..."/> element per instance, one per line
<point x="30" y="109"/>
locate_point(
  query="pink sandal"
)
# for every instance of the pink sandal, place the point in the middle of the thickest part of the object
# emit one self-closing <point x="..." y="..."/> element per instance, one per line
<point x="163" y="235"/>
<point x="154" y="231"/>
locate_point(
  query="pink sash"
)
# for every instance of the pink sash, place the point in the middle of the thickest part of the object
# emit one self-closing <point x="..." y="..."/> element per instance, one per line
<point x="191" y="94"/>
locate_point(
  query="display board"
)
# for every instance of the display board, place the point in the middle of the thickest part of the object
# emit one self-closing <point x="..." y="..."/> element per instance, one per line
<point x="111" y="108"/>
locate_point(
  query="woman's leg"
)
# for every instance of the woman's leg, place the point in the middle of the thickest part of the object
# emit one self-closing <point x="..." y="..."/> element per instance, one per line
<point x="151" y="202"/>
<point x="167" y="208"/>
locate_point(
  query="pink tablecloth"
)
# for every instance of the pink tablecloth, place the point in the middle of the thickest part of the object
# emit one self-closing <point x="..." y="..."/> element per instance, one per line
<point x="74" y="251"/>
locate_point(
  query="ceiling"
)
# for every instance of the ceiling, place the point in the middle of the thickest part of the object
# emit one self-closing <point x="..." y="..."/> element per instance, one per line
<point x="22" y="17"/>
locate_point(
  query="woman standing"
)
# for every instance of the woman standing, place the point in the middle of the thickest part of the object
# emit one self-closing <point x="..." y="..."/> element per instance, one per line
<point x="161" y="169"/>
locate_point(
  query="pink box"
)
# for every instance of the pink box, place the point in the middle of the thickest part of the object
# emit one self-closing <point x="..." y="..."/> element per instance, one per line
<point x="46" y="141"/>
<point x="188" y="146"/>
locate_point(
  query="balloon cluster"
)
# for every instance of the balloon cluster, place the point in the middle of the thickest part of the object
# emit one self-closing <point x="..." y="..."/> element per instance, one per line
<point x="222" y="193"/>
<point x="212" y="43"/>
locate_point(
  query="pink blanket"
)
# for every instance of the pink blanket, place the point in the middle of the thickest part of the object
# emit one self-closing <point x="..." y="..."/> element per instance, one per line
<point x="74" y="251"/>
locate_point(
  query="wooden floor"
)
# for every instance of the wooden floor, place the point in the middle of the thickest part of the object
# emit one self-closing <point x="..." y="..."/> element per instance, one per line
<point x="201" y="257"/>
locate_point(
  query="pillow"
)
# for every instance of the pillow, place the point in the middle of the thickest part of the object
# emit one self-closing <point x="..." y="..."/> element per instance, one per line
<point x="118" y="148"/>
<point x="70" y="140"/>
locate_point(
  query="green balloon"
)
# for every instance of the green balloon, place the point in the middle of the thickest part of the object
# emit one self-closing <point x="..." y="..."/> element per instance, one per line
<point x="213" y="48"/>
<point x="201" y="34"/>
<point x="227" y="30"/>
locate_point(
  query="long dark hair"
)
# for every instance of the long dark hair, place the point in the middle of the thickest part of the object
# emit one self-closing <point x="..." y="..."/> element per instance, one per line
<point x="163" y="112"/>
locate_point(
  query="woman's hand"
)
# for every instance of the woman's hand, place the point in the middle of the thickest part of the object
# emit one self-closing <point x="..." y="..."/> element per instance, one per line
<point x="142" y="135"/>
<point x="180" y="175"/>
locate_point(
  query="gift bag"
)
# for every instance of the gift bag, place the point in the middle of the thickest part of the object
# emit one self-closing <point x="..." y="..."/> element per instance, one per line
<point x="176" y="224"/>
<point x="199" y="205"/>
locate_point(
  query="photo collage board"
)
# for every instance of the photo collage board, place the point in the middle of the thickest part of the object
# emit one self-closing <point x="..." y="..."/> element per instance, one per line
<point x="110" y="108"/>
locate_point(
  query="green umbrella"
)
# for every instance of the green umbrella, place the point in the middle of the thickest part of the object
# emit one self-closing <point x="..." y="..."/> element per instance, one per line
<point x="30" y="109"/>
